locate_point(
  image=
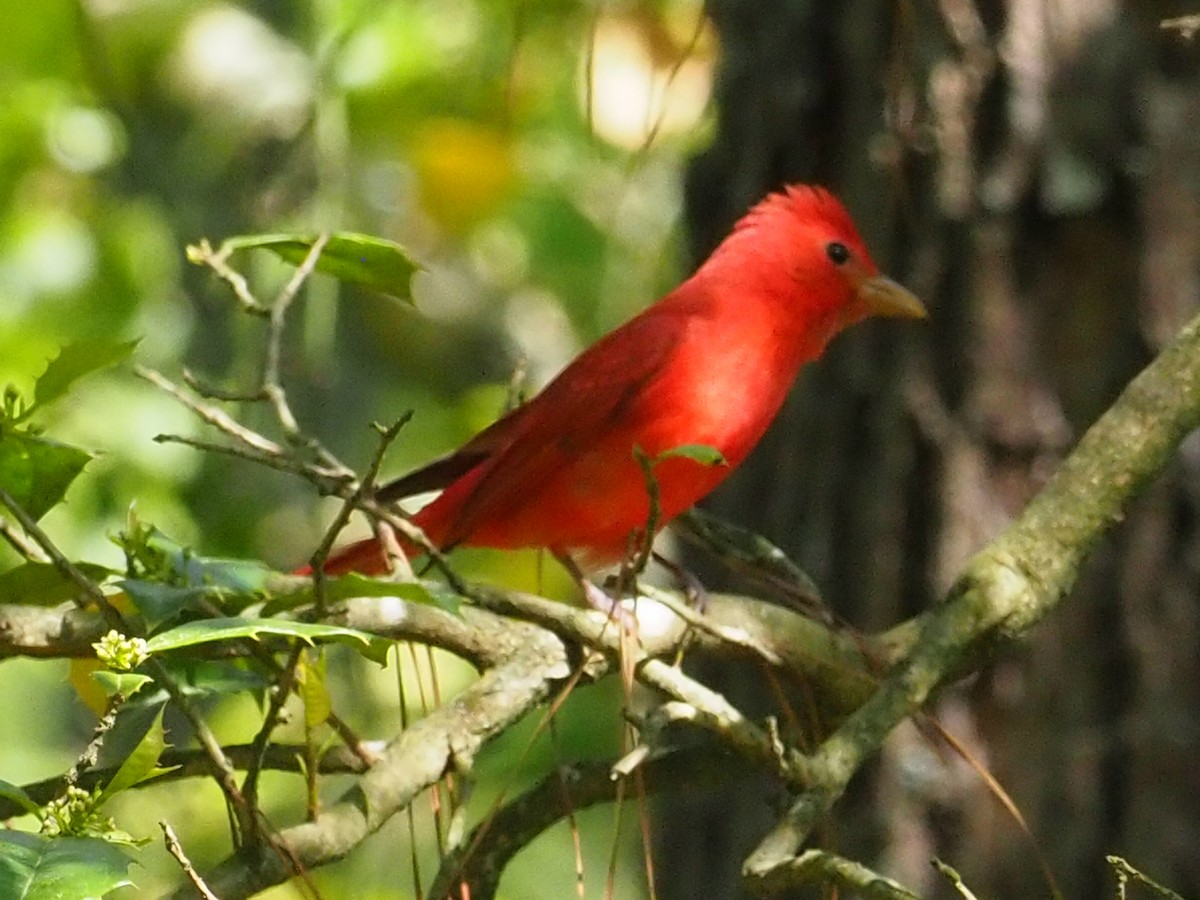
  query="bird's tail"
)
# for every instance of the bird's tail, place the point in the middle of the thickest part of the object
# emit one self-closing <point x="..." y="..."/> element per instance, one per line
<point x="366" y="557"/>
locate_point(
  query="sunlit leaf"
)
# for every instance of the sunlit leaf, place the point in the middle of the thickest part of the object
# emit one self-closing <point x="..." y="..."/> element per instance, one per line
<point x="142" y="763"/>
<point x="361" y="259"/>
<point x="313" y="690"/>
<point x="36" y="472"/>
<point x="74" y="361"/>
<point x="206" y="631"/>
<point x="124" y="683"/>
<point x="33" y="867"/>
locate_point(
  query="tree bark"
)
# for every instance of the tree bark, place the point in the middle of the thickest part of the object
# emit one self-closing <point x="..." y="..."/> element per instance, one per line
<point x="1031" y="168"/>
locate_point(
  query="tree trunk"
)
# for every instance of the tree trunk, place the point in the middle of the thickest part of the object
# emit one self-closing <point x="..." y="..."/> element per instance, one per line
<point x="1031" y="168"/>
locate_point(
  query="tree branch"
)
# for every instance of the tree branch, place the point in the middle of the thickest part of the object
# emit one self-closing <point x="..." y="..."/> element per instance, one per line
<point x="1012" y="583"/>
<point x="446" y="740"/>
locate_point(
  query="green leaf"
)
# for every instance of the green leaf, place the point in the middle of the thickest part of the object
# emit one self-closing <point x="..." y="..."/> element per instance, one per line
<point x="36" y="472"/>
<point x="141" y="764"/>
<point x="124" y="683"/>
<point x="206" y="679"/>
<point x="701" y="453"/>
<point x="372" y="262"/>
<point x="231" y="584"/>
<point x="160" y="603"/>
<point x="209" y="678"/>
<point x="33" y="867"/>
<point x="42" y="584"/>
<point x="237" y="576"/>
<point x="161" y="554"/>
<point x="73" y="362"/>
<point x="16" y="795"/>
<point x="206" y="631"/>
<point x="298" y="591"/>
<point x="313" y="690"/>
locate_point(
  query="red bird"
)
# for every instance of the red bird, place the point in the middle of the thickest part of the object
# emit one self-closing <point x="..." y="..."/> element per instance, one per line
<point x="709" y="364"/>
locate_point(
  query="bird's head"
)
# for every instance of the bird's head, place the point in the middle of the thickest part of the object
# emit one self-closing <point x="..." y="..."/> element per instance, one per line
<point x="803" y="246"/>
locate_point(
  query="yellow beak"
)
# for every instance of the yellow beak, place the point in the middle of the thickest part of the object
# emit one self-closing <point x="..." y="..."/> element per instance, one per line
<point x="884" y="297"/>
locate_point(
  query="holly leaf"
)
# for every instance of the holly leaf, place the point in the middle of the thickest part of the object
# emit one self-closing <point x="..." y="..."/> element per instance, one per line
<point x="36" y="472"/>
<point x="74" y="361"/>
<point x="124" y="683"/>
<point x="142" y="763"/>
<point x="35" y="867"/>
<point x="207" y="631"/>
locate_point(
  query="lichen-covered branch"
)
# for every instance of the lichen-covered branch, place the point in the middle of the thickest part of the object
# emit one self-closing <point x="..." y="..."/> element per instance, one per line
<point x="1011" y="584"/>
<point x="447" y="740"/>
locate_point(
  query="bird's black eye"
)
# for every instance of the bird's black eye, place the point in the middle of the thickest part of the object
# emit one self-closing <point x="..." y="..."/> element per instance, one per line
<point x="838" y="252"/>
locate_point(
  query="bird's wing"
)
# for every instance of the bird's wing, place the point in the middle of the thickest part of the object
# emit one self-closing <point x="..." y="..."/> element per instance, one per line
<point x="599" y="393"/>
<point x="445" y="470"/>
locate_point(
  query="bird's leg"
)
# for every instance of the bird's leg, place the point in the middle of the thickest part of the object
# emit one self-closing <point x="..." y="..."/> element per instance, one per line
<point x="693" y="590"/>
<point x="595" y="595"/>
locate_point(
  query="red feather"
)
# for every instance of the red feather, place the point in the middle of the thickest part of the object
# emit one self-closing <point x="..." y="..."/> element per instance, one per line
<point x="708" y="364"/>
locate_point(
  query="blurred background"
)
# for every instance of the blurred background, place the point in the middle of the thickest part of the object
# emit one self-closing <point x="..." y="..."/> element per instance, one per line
<point x="1031" y="168"/>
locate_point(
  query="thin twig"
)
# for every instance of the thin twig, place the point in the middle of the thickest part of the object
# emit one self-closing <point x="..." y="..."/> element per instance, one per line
<point x="280" y="691"/>
<point x="272" y="386"/>
<point x="176" y="850"/>
<point x="215" y="417"/>
<point x="325" y="480"/>
<point x="203" y="254"/>
<point x="91" y="753"/>
<point x="19" y="542"/>
<point x="736" y="637"/>
<point x="366" y="486"/>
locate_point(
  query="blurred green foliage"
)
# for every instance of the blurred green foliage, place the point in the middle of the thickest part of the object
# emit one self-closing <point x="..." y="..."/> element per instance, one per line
<point x="458" y="128"/>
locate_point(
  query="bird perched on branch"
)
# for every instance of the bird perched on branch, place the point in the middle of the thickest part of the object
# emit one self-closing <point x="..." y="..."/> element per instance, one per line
<point x="708" y="366"/>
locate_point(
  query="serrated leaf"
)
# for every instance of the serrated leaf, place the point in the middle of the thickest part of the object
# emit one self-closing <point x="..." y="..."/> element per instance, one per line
<point x="34" y="867"/>
<point x="74" y="361"/>
<point x="141" y="764"/>
<point x="16" y="795"/>
<point x="361" y="259"/>
<point x="701" y="453"/>
<point x="36" y="472"/>
<point x="124" y="683"/>
<point x="206" y="631"/>
<point x="42" y="584"/>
